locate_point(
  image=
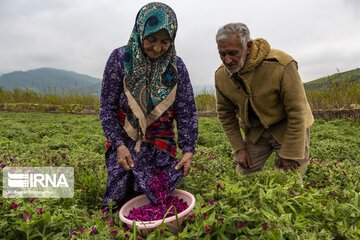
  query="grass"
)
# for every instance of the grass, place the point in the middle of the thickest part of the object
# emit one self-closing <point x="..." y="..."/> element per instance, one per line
<point x="267" y="205"/>
<point x="338" y="95"/>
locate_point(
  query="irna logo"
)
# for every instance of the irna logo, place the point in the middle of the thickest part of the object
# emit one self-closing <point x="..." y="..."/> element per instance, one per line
<point x="36" y="180"/>
<point x="42" y="182"/>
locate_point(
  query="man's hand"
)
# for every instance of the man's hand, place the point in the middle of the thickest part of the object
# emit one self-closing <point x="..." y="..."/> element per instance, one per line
<point x="288" y="164"/>
<point x="242" y="157"/>
<point x="124" y="158"/>
<point x="185" y="162"/>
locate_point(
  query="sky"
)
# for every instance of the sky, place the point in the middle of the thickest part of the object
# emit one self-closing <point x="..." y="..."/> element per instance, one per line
<point x="323" y="36"/>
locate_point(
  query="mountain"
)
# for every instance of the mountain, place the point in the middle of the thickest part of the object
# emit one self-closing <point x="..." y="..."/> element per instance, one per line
<point x="57" y="81"/>
<point x="352" y="76"/>
<point x="50" y="80"/>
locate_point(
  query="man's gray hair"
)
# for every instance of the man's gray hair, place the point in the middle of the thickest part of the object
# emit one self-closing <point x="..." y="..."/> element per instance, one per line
<point x="234" y="28"/>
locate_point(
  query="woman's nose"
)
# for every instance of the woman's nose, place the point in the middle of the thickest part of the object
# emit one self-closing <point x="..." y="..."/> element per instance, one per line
<point x="157" y="47"/>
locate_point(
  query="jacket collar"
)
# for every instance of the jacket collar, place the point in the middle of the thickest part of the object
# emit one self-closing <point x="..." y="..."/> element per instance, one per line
<point x="259" y="49"/>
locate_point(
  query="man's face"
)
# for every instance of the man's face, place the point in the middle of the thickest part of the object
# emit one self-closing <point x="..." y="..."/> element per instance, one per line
<point x="232" y="53"/>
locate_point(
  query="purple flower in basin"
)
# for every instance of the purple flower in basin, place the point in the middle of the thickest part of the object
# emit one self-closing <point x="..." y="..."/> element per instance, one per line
<point x="159" y="185"/>
<point x="164" y="205"/>
<point x="156" y="212"/>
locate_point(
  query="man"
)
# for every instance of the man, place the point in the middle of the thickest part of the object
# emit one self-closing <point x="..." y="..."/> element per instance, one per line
<point x="259" y="90"/>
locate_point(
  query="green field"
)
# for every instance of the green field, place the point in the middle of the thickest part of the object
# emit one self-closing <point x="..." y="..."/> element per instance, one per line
<point x="268" y="205"/>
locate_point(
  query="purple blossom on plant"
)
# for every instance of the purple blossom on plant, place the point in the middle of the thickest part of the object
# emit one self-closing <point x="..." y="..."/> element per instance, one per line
<point x="80" y="229"/>
<point x="104" y="217"/>
<point x="115" y="231"/>
<point x="26" y="216"/>
<point x="93" y="231"/>
<point x="63" y="156"/>
<point x="211" y="202"/>
<point x="72" y="233"/>
<point x="111" y="222"/>
<point x="265" y="226"/>
<point x="126" y="235"/>
<point x="191" y="216"/>
<point x="104" y="210"/>
<point x="240" y="224"/>
<point x="221" y="220"/>
<point x="207" y="229"/>
<point x="53" y="158"/>
<point x="313" y="182"/>
<point x="205" y="215"/>
<point x="14" y="205"/>
<point x="219" y="186"/>
<point x="31" y="200"/>
<point x="126" y="228"/>
<point x="2" y="165"/>
<point x="39" y="211"/>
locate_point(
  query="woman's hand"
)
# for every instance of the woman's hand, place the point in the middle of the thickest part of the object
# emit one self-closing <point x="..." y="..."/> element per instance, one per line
<point x="185" y="162"/>
<point x="124" y="158"/>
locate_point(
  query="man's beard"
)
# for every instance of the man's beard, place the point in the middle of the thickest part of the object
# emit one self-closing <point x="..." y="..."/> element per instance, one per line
<point x="237" y="68"/>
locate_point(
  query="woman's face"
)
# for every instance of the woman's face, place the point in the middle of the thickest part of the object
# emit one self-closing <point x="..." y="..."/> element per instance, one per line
<point x="156" y="44"/>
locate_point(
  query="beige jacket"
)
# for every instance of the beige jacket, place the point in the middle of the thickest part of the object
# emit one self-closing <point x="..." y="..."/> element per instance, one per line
<point x="276" y="94"/>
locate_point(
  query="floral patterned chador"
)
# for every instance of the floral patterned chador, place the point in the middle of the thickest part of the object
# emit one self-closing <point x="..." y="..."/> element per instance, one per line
<point x="157" y="151"/>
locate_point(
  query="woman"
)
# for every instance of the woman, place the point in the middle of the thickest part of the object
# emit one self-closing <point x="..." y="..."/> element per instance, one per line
<point x="145" y="87"/>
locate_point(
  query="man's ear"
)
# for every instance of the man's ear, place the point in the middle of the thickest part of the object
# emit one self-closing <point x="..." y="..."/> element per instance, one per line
<point x="249" y="44"/>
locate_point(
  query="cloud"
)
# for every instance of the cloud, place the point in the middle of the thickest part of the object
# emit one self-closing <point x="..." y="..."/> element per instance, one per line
<point x="354" y="5"/>
<point x="80" y="35"/>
